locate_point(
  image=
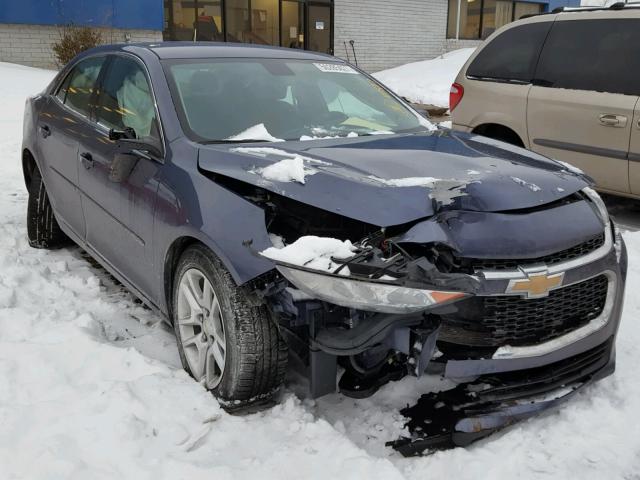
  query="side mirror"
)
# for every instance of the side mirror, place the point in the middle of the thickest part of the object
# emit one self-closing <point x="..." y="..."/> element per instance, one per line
<point x="127" y="133"/>
<point x="122" y="166"/>
<point x="140" y="148"/>
<point x="128" y="143"/>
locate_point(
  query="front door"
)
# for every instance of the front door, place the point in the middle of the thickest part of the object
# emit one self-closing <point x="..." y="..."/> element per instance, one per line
<point x="319" y="28"/>
<point x="119" y="211"/>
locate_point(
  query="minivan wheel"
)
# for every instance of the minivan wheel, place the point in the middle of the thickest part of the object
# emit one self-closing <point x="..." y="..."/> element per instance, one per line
<point x="43" y="230"/>
<point x="230" y="346"/>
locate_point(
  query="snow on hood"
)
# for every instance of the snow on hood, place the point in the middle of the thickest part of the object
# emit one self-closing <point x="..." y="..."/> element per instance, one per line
<point x="313" y="252"/>
<point x="395" y="179"/>
<point x="288" y="170"/>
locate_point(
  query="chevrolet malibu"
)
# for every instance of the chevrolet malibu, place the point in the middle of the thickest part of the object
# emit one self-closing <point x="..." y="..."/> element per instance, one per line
<point x="273" y="204"/>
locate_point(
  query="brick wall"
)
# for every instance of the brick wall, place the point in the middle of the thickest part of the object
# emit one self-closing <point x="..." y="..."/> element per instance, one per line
<point x="31" y="44"/>
<point x="388" y="33"/>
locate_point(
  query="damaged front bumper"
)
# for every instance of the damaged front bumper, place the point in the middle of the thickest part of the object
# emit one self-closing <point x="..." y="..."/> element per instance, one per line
<point x="475" y="410"/>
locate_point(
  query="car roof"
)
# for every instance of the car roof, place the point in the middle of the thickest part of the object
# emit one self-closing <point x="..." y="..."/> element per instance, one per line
<point x="186" y="50"/>
<point x="615" y="7"/>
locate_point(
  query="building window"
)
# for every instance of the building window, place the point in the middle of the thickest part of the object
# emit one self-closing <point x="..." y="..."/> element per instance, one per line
<point x="289" y="23"/>
<point x="477" y="19"/>
<point x="193" y="20"/>
<point x="238" y="25"/>
<point x="292" y="33"/>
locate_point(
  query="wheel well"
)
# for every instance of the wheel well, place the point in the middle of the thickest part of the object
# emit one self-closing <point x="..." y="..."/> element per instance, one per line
<point x="28" y="166"/>
<point x="174" y="253"/>
<point x="499" y="132"/>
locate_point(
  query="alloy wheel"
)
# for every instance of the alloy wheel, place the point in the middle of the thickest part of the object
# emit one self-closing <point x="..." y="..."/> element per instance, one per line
<point x="201" y="327"/>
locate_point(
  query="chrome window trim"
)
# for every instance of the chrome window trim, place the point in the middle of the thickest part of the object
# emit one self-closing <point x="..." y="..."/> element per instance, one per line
<point x="508" y="353"/>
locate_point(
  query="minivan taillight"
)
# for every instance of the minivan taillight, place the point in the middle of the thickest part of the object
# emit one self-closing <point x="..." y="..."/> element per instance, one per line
<point x="455" y="95"/>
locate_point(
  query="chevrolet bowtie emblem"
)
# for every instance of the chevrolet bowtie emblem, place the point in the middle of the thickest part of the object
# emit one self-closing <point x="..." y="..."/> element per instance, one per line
<point x="536" y="285"/>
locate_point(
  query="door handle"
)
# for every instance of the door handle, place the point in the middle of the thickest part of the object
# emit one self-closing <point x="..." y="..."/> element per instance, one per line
<point x="45" y="131"/>
<point x="611" y="120"/>
<point x="87" y="160"/>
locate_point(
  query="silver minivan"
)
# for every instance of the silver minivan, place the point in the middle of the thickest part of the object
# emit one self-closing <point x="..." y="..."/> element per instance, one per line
<point x="564" y="84"/>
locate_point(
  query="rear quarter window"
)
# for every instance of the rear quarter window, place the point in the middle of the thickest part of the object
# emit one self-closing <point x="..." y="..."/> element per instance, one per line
<point x="596" y="55"/>
<point x="512" y="55"/>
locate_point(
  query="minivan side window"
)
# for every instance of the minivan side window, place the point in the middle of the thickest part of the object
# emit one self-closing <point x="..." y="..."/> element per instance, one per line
<point x="512" y="55"/>
<point x="78" y="88"/>
<point x="597" y="55"/>
<point x="126" y="100"/>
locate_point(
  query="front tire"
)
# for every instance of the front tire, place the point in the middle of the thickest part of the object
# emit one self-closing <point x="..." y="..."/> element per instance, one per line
<point x="43" y="230"/>
<point x="229" y="345"/>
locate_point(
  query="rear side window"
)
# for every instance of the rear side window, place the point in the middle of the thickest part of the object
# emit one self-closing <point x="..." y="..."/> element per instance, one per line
<point x="596" y="55"/>
<point x="512" y="55"/>
<point x="78" y="88"/>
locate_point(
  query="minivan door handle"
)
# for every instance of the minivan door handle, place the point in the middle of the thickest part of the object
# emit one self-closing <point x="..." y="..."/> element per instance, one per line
<point x="87" y="160"/>
<point x="611" y="120"/>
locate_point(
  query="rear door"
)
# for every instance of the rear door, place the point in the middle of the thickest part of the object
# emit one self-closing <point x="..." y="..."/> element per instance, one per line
<point x="62" y="122"/>
<point x="119" y="211"/>
<point x="581" y="107"/>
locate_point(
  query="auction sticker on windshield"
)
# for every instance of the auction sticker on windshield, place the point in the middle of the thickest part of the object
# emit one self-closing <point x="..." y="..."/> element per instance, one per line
<point x="334" y="68"/>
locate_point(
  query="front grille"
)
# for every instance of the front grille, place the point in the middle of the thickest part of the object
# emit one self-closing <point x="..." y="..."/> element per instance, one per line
<point x="510" y="320"/>
<point x="580" y="250"/>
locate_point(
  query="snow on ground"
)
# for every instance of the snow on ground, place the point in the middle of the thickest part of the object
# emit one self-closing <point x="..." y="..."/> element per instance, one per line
<point x="427" y="82"/>
<point x="92" y="386"/>
<point x="597" y="3"/>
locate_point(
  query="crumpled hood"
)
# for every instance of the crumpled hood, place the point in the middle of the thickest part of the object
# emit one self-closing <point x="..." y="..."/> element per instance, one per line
<point x="395" y="179"/>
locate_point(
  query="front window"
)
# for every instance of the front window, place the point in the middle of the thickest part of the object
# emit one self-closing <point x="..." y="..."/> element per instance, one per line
<point x="266" y="99"/>
<point x="477" y="19"/>
<point x="126" y="101"/>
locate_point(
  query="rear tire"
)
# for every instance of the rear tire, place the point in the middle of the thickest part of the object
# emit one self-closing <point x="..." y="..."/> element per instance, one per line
<point x="43" y="229"/>
<point x="245" y="357"/>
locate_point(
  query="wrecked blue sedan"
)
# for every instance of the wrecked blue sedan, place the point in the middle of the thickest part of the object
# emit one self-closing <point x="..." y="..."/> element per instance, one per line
<point x="274" y="204"/>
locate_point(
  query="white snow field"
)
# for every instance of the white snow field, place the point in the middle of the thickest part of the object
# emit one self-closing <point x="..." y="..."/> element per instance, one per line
<point x="429" y="81"/>
<point x="91" y="386"/>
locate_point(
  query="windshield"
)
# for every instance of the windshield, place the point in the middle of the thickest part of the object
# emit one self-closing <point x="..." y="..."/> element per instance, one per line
<point x="235" y="100"/>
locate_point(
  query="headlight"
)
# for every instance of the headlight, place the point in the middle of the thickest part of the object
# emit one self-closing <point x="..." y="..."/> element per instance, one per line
<point x="599" y="204"/>
<point x="366" y="295"/>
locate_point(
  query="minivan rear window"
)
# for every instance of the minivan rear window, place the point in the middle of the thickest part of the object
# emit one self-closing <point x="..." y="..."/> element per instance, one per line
<point x="596" y="55"/>
<point x="512" y="55"/>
